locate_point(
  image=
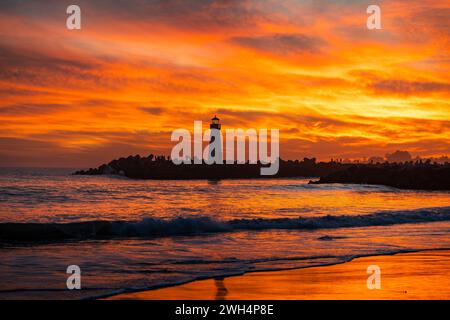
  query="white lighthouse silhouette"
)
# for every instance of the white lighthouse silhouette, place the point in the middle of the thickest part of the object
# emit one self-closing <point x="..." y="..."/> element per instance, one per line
<point x="215" y="142"/>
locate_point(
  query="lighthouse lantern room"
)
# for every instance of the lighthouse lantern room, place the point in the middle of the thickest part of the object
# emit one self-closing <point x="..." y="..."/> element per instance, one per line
<point x="215" y="124"/>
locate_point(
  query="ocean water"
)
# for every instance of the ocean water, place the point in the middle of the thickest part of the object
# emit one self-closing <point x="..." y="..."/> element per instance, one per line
<point x="161" y="233"/>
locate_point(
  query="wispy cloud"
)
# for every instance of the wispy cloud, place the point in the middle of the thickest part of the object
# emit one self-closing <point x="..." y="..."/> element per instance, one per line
<point x="139" y="69"/>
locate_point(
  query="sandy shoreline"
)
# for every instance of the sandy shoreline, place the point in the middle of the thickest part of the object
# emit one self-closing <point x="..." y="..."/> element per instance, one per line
<point x="418" y="275"/>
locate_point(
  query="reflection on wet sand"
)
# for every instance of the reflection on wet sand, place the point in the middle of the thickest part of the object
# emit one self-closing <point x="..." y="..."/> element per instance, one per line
<point x="221" y="289"/>
<point x="420" y="275"/>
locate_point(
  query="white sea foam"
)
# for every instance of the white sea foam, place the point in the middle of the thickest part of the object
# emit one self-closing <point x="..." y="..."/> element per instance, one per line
<point x="153" y="227"/>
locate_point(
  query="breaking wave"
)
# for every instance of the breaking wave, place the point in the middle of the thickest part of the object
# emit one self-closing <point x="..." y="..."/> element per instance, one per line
<point x="152" y="227"/>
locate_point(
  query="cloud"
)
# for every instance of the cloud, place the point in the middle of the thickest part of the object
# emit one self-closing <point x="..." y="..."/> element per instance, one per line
<point x="280" y="44"/>
<point x="404" y="87"/>
<point x="12" y="57"/>
<point x="426" y="23"/>
<point x="198" y="15"/>
<point x="357" y="148"/>
<point x="51" y="149"/>
<point x="30" y="66"/>
<point x="152" y="110"/>
<point x="31" y="109"/>
<point x="139" y="69"/>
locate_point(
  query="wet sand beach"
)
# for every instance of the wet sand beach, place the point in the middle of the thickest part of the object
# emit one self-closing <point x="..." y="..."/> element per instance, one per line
<point x="417" y="275"/>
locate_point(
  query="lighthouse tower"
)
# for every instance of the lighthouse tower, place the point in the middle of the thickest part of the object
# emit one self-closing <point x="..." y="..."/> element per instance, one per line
<point x="215" y="142"/>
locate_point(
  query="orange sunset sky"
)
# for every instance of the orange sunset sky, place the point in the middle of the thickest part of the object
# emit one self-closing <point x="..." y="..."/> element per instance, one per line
<point x="139" y="69"/>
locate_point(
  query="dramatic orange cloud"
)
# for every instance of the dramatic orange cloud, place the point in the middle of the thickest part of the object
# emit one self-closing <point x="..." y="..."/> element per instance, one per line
<point x="139" y="69"/>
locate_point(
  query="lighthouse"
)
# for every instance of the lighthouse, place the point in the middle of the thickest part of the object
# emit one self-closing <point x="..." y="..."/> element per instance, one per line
<point x="215" y="142"/>
<point x="215" y="123"/>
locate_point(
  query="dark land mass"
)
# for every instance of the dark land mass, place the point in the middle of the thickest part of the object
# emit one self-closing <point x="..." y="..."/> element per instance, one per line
<point x="164" y="169"/>
<point x="401" y="176"/>
<point x="411" y="175"/>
